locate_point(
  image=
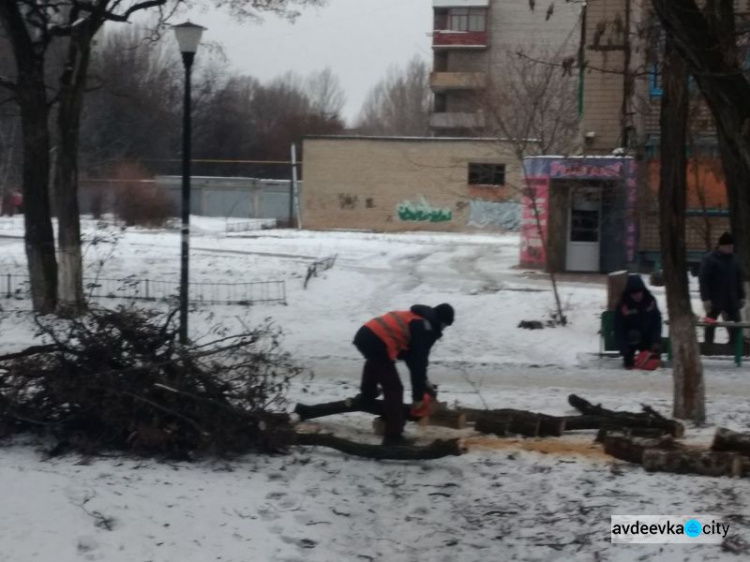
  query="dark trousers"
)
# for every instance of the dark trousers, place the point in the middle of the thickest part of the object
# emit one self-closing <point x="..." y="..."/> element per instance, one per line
<point x="729" y="316"/>
<point x="635" y="340"/>
<point x="380" y="371"/>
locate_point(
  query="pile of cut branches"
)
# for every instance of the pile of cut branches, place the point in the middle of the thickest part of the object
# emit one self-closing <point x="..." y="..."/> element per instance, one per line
<point x="120" y="380"/>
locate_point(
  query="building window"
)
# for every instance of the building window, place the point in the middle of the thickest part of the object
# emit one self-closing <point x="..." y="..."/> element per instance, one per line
<point x="440" y="103"/>
<point x="467" y="19"/>
<point x="487" y="174"/>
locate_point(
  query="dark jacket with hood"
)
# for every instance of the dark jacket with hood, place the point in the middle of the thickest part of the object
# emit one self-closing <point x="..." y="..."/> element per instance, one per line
<point x="643" y="316"/>
<point x="423" y="333"/>
<point x="721" y="281"/>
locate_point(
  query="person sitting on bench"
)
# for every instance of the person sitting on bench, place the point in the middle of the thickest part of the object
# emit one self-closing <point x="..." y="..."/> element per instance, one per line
<point x="638" y="325"/>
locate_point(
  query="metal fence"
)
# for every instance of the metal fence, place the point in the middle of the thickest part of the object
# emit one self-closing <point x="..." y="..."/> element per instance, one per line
<point x="132" y="288"/>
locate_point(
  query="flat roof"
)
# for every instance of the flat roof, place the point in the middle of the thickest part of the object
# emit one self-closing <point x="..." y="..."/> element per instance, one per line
<point x="415" y="139"/>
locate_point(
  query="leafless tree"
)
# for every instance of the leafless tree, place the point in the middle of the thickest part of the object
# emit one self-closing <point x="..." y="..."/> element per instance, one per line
<point x="533" y="106"/>
<point x="530" y="100"/>
<point x="33" y="26"/>
<point x="400" y="104"/>
<point x="325" y="93"/>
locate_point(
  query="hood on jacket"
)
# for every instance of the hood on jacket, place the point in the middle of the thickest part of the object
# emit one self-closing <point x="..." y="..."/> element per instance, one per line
<point x="635" y="284"/>
<point x="429" y="314"/>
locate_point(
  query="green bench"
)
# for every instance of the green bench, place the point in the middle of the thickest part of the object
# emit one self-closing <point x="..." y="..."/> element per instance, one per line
<point x="608" y="342"/>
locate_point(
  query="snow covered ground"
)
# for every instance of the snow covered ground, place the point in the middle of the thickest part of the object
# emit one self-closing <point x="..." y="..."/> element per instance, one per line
<point x="504" y="500"/>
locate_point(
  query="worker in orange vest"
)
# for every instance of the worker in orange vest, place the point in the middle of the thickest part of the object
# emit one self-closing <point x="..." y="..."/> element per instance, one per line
<point x="409" y="336"/>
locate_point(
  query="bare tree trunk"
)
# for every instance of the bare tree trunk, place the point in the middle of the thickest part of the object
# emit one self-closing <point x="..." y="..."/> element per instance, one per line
<point x="689" y="391"/>
<point x="32" y="100"/>
<point x="73" y="83"/>
<point x="39" y="238"/>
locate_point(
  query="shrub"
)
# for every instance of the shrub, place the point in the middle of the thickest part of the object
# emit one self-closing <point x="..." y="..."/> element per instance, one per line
<point x="119" y="379"/>
<point x="138" y="202"/>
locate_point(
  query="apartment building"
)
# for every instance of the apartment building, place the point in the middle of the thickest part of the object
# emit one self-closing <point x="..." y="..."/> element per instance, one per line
<point x="471" y="42"/>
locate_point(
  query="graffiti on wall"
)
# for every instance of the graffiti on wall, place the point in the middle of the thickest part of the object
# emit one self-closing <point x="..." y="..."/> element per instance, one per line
<point x="536" y="196"/>
<point x="505" y="215"/>
<point x="580" y="169"/>
<point x="348" y="201"/>
<point x="422" y="211"/>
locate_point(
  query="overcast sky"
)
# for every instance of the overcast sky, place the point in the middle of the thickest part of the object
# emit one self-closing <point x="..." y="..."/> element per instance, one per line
<point x="357" y="39"/>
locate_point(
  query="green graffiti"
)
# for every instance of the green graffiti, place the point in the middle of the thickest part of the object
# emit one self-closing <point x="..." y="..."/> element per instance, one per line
<point x="423" y="212"/>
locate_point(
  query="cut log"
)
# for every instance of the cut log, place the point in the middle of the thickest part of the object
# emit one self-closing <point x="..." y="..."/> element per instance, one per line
<point x="446" y="418"/>
<point x="435" y="450"/>
<point x="376" y="407"/>
<point x="493" y="425"/>
<point x="492" y="422"/>
<point x="728" y="440"/>
<point x="706" y="463"/>
<point x="646" y="432"/>
<point x="631" y="449"/>
<point x="548" y="425"/>
<point x="577" y="423"/>
<point x="647" y="418"/>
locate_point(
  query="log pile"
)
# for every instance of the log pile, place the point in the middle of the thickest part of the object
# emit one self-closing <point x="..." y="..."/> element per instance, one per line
<point x="646" y="438"/>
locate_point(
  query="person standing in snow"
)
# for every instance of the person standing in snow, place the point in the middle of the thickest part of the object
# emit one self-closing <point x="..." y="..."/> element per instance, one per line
<point x="409" y="336"/>
<point x="722" y="290"/>
<point x="637" y="321"/>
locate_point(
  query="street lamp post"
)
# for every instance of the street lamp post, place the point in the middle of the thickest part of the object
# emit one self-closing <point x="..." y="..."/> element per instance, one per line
<point x="188" y="37"/>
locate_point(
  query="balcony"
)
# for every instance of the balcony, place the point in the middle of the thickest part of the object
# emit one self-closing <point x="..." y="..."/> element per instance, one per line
<point x="447" y="39"/>
<point x="441" y="81"/>
<point x="457" y="120"/>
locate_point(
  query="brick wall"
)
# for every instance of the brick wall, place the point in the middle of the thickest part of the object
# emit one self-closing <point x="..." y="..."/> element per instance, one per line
<point x="381" y="184"/>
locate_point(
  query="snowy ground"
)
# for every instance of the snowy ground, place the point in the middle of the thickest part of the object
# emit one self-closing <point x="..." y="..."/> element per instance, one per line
<point x="504" y="500"/>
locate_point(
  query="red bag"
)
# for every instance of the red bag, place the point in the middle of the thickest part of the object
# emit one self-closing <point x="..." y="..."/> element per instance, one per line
<point x="647" y="361"/>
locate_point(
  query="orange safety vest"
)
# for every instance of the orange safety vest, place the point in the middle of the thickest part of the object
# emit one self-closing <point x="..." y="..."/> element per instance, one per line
<point x="393" y="329"/>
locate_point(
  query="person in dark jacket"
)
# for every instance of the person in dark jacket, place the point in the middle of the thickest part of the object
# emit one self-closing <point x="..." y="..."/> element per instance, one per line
<point x="637" y="321"/>
<point x="400" y="335"/>
<point x="722" y="290"/>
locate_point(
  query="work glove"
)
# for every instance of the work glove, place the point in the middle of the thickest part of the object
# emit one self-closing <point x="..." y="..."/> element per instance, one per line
<point x="708" y="306"/>
<point x="422" y="408"/>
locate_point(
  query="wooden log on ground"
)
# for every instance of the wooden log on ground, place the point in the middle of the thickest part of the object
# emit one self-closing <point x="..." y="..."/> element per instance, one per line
<point x="435" y="450"/>
<point x="728" y="440"/>
<point x="706" y="463"/>
<point x="631" y="449"/>
<point x="548" y="425"/>
<point x="376" y="407"/>
<point x="492" y="425"/>
<point x="645" y="432"/>
<point x="29" y="351"/>
<point x="648" y="418"/>
<point x="445" y="418"/>
<point x="492" y="422"/>
<point x="577" y="423"/>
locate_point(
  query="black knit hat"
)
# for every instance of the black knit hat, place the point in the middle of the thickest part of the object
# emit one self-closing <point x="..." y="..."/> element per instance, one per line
<point x="445" y="313"/>
<point x="726" y="239"/>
